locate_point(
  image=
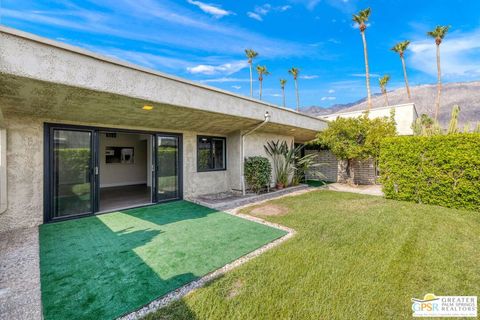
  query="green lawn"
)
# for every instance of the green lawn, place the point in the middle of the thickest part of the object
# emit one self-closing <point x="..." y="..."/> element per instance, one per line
<point x="353" y="257"/>
<point x="102" y="267"/>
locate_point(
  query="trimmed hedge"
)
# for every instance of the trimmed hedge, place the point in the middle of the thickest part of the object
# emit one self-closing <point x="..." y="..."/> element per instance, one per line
<point x="440" y="170"/>
<point x="258" y="173"/>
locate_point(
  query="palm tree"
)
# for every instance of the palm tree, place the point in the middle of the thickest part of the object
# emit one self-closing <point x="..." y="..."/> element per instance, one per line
<point x="383" y="85"/>
<point x="295" y="72"/>
<point x="361" y="18"/>
<point x="251" y="54"/>
<point x="283" y="82"/>
<point x="262" y="71"/>
<point x="438" y="34"/>
<point x="400" y="48"/>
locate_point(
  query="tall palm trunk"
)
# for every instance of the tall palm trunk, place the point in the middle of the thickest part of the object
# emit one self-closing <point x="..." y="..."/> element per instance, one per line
<point x="283" y="94"/>
<point x="260" y="80"/>
<point x="386" y="97"/>
<point x="251" y="78"/>
<point x="296" y="92"/>
<point x="439" y="83"/>
<point x="406" y="77"/>
<point x="367" y="71"/>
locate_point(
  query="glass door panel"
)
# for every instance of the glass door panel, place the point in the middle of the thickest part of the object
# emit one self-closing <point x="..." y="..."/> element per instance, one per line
<point x="72" y="172"/>
<point x="167" y="167"/>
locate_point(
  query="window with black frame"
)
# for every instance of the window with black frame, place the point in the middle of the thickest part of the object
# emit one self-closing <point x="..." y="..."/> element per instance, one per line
<point x="211" y="153"/>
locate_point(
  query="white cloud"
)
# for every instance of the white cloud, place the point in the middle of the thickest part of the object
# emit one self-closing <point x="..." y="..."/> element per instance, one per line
<point x="334" y="41"/>
<point x="308" y="77"/>
<point x="168" y="18"/>
<point x="329" y="98"/>
<point x="254" y="15"/>
<point x="217" y="12"/>
<point x="261" y="11"/>
<point x="275" y="95"/>
<point x="331" y="91"/>
<point x="372" y="75"/>
<point x="354" y="25"/>
<point x="237" y="87"/>
<point x="227" y="68"/>
<point x="459" y="53"/>
<point x="225" y="79"/>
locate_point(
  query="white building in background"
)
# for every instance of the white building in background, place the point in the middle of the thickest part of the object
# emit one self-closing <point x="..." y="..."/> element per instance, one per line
<point x="405" y="115"/>
<point x="366" y="171"/>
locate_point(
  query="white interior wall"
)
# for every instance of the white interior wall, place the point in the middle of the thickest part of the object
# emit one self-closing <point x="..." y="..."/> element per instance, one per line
<point x="121" y="174"/>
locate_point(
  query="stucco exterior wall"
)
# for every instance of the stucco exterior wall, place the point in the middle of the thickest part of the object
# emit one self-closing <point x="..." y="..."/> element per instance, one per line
<point x="24" y="174"/>
<point x="197" y="183"/>
<point x="25" y="168"/>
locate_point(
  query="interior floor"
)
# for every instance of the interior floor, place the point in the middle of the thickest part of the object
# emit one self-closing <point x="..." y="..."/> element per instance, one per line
<point x="112" y="198"/>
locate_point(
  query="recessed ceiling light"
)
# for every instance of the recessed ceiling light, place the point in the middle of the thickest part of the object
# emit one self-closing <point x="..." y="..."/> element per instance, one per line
<point x="148" y="108"/>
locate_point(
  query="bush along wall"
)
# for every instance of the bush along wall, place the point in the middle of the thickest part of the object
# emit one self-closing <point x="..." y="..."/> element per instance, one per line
<point x="440" y="170"/>
<point x="258" y="173"/>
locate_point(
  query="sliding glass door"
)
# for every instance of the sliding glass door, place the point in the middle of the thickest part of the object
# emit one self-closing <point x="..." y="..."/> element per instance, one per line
<point x="167" y="168"/>
<point x="72" y="172"/>
<point x="76" y="162"/>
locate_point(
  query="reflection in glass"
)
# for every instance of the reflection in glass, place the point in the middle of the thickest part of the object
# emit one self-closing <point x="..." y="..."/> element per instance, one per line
<point x="71" y="172"/>
<point x="167" y="170"/>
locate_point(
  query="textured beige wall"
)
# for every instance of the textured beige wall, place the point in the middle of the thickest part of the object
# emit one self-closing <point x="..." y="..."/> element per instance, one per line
<point x="24" y="174"/>
<point x="197" y="183"/>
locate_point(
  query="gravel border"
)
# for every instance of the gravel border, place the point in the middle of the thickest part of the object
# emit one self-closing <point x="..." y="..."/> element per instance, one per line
<point x="189" y="287"/>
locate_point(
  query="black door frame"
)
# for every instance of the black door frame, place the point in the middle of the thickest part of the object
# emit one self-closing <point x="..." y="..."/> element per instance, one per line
<point x="179" y="167"/>
<point x="94" y="170"/>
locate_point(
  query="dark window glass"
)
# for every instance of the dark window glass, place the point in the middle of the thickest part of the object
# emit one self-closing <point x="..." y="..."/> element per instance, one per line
<point x="210" y="153"/>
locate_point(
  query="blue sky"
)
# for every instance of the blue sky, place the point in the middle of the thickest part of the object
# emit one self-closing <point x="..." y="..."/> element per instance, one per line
<point x="204" y="40"/>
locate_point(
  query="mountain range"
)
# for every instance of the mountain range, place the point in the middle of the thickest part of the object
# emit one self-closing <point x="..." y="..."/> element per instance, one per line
<point x="465" y="94"/>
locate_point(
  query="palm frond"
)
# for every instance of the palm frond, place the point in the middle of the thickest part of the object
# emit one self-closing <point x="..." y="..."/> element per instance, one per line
<point x="362" y="16"/>
<point x="250" y="53"/>
<point x="439" y="32"/>
<point x="294" y="72"/>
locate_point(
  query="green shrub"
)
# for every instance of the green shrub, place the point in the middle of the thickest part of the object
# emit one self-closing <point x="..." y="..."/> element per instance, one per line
<point x="441" y="170"/>
<point x="258" y="173"/>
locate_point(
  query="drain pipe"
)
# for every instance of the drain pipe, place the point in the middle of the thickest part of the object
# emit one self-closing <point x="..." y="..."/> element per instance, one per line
<point x="242" y="158"/>
<point x="3" y="165"/>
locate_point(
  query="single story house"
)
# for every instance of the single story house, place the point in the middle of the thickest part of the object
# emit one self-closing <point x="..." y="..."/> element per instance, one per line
<point x="365" y="171"/>
<point x="82" y="134"/>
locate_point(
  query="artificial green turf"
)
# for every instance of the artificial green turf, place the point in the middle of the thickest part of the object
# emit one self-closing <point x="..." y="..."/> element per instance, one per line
<point x="104" y="266"/>
<point x="352" y="257"/>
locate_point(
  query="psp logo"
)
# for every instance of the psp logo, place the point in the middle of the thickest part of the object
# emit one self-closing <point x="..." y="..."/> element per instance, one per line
<point x="444" y="306"/>
<point x="429" y="303"/>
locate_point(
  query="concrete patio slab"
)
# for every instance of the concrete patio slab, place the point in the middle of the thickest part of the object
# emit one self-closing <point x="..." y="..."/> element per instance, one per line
<point x="227" y="201"/>
<point x="19" y="275"/>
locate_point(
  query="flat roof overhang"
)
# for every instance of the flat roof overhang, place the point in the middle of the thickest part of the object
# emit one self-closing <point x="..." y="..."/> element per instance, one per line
<point x="43" y="78"/>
